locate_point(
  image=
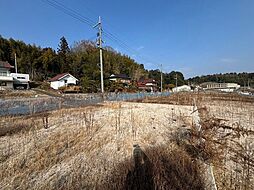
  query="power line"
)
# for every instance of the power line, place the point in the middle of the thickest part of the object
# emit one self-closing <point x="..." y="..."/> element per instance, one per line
<point x="114" y="38"/>
<point x="78" y="16"/>
<point x="128" y="48"/>
<point x="61" y="7"/>
<point x="69" y="12"/>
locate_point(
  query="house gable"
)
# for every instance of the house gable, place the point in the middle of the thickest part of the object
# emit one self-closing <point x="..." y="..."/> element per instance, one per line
<point x="61" y="80"/>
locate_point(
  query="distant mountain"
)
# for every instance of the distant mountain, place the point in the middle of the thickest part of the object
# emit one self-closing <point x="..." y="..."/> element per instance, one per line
<point x="244" y="79"/>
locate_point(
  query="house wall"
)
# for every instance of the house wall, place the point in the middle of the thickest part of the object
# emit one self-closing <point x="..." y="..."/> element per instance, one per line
<point x="70" y="80"/>
<point x="62" y="82"/>
<point x="4" y="72"/>
<point x="6" y="81"/>
<point x="233" y="85"/>
<point x="120" y="80"/>
<point x="6" y="85"/>
<point x="221" y="86"/>
<point x="56" y="84"/>
<point x="183" y="88"/>
<point x="9" y="85"/>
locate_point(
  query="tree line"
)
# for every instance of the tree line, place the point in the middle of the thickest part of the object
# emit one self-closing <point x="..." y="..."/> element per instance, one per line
<point x="244" y="79"/>
<point x="80" y="60"/>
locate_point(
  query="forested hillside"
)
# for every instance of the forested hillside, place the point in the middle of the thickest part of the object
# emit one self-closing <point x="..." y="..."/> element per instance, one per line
<point x="244" y="79"/>
<point x="81" y="60"/>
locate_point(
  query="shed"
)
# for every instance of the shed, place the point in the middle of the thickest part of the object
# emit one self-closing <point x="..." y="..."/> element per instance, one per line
<point x="62" y="80"/>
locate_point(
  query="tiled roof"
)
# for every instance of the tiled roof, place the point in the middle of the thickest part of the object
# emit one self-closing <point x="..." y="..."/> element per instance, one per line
<point x="122" y="76"/>
<point x="147" y="81"/>
<point x="5" y="64"/>
<point x="57" y="77"/>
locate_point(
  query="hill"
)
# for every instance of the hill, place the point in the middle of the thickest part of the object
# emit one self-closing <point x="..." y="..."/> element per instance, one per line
<point x="81" y="59"/>
<point x="241" y="78"/>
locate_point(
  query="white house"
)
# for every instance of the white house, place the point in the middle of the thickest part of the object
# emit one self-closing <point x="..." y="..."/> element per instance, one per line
<point x="184" y="88"/>
<point x="62" y="80"/>
<point x="226" y="87"/>
<point x="6" y="80"/>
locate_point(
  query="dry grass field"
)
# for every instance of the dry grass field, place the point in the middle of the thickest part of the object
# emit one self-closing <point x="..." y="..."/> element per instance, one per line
<point x="227" y="133"/>
<point x="179" y="142"/>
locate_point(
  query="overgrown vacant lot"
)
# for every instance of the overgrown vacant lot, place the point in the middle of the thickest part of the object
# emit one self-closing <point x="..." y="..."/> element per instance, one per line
<point x="128" y="145"/>
<point x="227" y="133"/>
<point x="93" y="147"/>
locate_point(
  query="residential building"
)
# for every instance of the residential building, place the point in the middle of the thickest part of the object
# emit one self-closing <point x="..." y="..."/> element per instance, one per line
<point x="121" y="78"/>
<point x="183" y="88"/>
<point x="227" y="87"/>
<point x="62" y="80"/>
<point x="149" y="85"/>
<point x="6" y="80"/>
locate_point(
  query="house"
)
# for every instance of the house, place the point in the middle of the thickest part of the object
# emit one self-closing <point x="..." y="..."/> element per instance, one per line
<point x="20" y="80"/>
<point x="149" y="85"/>
<point x="62" y="80"/>
<point x="6" y="80"/>
<point x="120" y="78"/>
<point x="226" y="87"/>
<point x="183" y="88"/>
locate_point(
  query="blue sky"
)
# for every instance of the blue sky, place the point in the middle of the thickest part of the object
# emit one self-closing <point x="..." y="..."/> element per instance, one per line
<point x="196" y="37"/>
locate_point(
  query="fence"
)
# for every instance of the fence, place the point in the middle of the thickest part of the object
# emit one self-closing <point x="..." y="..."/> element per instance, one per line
<point x="36" y="105"/>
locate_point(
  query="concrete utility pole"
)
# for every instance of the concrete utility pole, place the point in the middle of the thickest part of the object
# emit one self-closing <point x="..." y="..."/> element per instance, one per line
<point x="16" y="67"/>
<point x="176" y="80"/>
<point x="161" y="78"/>
<point x="99" y="43"/>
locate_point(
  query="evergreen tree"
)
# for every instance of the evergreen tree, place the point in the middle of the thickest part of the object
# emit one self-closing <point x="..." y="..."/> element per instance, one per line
<point x="63" y="47"/>
<point x="63" y="55"/>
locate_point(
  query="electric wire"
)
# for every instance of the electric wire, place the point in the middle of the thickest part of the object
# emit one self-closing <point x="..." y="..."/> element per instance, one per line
<point x="74" y="14"/>
<point x="69" y="12"/>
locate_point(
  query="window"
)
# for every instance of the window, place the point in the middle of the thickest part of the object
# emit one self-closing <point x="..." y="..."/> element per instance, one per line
<point x="65" y="81"/>
<point x="3" y="73"/>
<point x="21" y="77"/>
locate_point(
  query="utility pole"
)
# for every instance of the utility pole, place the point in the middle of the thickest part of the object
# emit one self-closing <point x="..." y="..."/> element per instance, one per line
<point x="99" y="43"/>
<point x="176" y="81"/>
<point x="161" y="78"/>
<point x="16" y="67"/>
